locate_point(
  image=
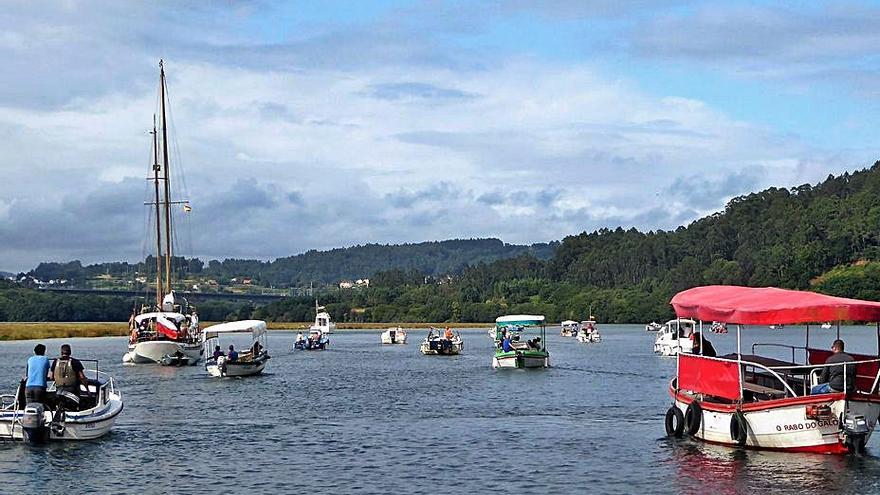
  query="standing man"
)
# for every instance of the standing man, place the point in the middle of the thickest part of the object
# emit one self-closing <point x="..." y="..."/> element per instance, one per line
<point x="68" y="375"/>
<point x="832" y="377"/>
<point x="36" y="373"/>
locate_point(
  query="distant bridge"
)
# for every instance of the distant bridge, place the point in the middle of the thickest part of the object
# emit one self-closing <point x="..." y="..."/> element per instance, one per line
<point x="190" y="296"/>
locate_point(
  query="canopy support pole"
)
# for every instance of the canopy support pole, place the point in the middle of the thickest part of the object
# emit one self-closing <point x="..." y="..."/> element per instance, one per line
<point x="807" y="346"/>
<point x="739" y="360"/>
<point x="701" y="337"/>
<point x="838" y="329"/>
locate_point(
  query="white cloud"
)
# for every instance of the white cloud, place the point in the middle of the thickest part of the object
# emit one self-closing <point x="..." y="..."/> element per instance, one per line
<point x="280" y="158"/>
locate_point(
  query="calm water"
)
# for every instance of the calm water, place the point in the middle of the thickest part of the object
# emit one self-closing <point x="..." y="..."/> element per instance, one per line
<point x="367" y="418"/>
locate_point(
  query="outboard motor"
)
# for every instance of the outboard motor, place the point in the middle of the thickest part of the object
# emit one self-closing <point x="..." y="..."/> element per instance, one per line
<point x="856" y="428"/>
<point x="33" y="423"/>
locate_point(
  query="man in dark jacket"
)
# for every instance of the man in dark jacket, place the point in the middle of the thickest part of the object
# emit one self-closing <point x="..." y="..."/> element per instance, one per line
<point x="702" y="346"/>
<point x="832" y="378"/>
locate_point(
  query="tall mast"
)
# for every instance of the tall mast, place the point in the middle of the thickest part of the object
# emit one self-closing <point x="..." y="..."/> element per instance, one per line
<point x="158" y="220"/>
<point x="167" y="183"/>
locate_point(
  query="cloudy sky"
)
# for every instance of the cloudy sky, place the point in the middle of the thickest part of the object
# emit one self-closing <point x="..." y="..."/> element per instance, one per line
<point x="313" y="125"/>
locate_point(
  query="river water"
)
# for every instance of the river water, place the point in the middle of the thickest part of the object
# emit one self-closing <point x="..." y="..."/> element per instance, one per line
<point x="366" y="418"/>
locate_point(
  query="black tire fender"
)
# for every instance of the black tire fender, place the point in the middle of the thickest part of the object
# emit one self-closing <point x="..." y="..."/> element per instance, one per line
<point x="693" y="418"/>
<point x="674" y="422"/>
<point x="739" y="428"/>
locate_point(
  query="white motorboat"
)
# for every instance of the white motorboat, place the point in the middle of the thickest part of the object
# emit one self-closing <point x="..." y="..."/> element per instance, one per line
<point x="589" y="332"/>
<point x="247" y="362"/>
<point x="323" y="323"/>
<point x="675" y="337"/>
<point x="570" y="328"/>
<point x="164" y="338"/>
<point x="443" y="343"/>
<point x="100" y="402"/>
<point x="168" y="333"/>
<point x="653" y="327"/>
<point x="826" y="325"/>
<point x="394" y="335"/>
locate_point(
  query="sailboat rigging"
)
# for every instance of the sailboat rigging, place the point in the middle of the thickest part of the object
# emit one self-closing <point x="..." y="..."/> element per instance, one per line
<point x="167" y="333"/>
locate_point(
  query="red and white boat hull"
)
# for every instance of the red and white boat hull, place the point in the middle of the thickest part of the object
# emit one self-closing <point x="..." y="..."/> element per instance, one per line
<point x="783" y="424"/>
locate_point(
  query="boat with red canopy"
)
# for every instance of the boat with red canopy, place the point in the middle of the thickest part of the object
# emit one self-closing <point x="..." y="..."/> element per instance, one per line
<point x="765" y="403"/>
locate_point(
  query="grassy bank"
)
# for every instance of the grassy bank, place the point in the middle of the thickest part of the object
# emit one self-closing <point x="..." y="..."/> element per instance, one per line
<point x="60" y="330"/>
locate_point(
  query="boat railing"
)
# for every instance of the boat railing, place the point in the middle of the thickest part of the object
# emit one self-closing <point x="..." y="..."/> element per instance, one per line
<point x="8" y="401"/>
<point x="816" y="367"/>
<point x="784" y="346"/>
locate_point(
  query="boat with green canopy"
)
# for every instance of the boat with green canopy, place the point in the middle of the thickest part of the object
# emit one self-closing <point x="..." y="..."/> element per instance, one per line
<point x="511" y="351"/>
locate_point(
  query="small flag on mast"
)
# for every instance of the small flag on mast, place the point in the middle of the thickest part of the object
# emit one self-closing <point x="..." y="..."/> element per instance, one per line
<point x="187" y="208"/>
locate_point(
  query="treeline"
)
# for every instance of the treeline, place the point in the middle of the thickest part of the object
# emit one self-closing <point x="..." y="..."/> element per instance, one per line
<point x="824" y="237"/>
<point x="24" y="304"/>
<point x="327" y="267"/>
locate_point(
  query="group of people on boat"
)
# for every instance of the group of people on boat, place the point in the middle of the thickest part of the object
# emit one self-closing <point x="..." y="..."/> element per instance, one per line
<point x="233" y="357"/>
<point x="139" y="331"/>
<point x="65" y="371"/>
<point x="509" y="341"/>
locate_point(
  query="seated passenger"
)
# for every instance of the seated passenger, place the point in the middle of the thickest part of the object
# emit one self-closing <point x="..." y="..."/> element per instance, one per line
<point x="218" y="352"/>
<point x="505" y="344"/>
<point x="233" y="354"/>
<point x="707" y="348"/>
<point x="832" y="377"/>
<point x="448" y="333"/>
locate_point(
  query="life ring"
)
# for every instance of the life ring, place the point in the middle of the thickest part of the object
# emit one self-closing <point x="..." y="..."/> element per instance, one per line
<point x="693" y="417"/>
<point x="674" y="422"/>
<point x="739" y="428"/>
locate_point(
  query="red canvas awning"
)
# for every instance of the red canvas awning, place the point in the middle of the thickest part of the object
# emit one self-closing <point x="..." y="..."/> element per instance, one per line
<point x="769" y="305"/>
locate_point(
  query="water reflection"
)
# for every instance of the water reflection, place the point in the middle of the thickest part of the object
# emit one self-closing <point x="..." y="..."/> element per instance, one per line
<point x="724" y="470"/>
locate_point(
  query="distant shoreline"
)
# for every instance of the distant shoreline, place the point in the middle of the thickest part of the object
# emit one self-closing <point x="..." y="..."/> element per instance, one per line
<point x="58" y="330"/>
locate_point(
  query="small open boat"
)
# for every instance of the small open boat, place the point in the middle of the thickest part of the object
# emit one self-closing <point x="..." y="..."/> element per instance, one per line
<point x="316" y="341"/>
<point x="511" y="352"/>
<point x="589" y="332"/>
<point x="394" y="335"/>
<point x="249" y="361"/>
<point x="100" y="402"/>
<point x="442" y="343"/>
<point x="763" y="402"/>
<point x="569" y="328"/>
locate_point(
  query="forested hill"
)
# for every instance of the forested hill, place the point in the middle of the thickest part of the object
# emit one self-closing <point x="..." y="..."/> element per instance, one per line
<point x="777" y="237"/>
<point x="824" y="237"/>
<point x="431" y="258"/>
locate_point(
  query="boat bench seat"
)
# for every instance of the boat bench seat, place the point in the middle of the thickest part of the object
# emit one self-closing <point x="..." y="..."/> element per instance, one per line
<point x="761" y="392"/>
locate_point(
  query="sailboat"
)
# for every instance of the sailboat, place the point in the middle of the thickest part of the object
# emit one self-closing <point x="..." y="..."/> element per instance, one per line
<point x="168" y="332"/>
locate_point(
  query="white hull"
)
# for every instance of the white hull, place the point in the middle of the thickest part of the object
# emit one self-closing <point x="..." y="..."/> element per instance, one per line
<point x="589" y="338"/>
<point x="153" y="352"/>
<point x="399" y="336"/>
<point x="527" y="362"/>
<point x="785" y="427"/>
<point x="671" y="348"/>
<point x="233" y="370"/>
<point x="82" y="425"/>
<point x="456" y="348"/>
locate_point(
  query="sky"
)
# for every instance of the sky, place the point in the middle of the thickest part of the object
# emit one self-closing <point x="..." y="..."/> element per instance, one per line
<point x="314" y="125"/>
